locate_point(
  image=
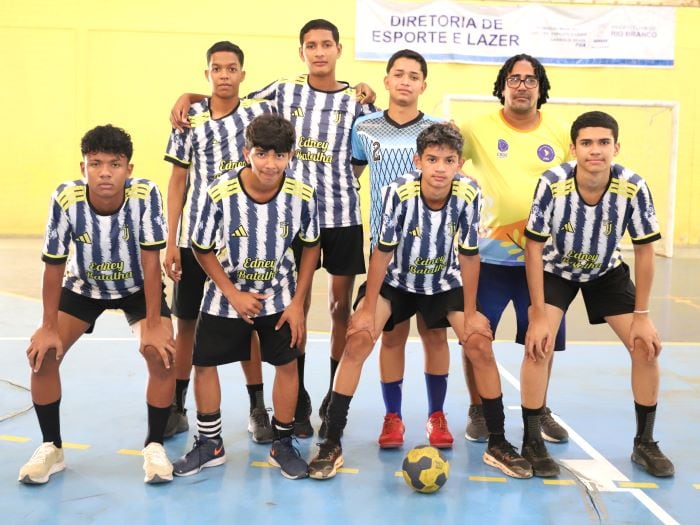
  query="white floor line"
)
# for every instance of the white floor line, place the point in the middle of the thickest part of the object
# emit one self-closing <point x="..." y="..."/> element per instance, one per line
<point x="574" y="436"/>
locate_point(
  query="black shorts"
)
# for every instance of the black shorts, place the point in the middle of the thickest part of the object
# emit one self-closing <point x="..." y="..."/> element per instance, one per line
<point x="89" y="309"/>
<point x="188" y="291"/>
<point x="342" y="250"/>
<point x="611" y="294"/>
<point x="222" y="340"/>
<point x="404" y="305"/>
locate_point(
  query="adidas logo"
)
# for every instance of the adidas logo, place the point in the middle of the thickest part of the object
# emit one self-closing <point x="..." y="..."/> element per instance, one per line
<point x="298" y="112"/>
<point x="568" y="228"/>
<point x="415" y="231"/>
<point x="84" y="238"/>
<point x="239" y="232"/>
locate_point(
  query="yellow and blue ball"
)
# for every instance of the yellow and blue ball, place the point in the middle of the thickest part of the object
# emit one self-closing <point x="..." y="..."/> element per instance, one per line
<point x="425" y="469"/>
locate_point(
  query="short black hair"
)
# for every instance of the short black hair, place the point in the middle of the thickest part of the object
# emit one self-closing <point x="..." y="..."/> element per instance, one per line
<point x="594" y="119"/>
<point x="225" y="46"/>
<point x="540" y="73"/>
<point x="319" y="23"/>
<point x="413" y="55"/>
<point x="107" y="139"/>
<point x="270" y="131"/>
<point x="440" y="134"/>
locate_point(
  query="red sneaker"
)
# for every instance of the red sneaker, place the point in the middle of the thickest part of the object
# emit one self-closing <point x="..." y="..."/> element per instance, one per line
<point x="392" y="431"/>
<point x="439" y="435"/>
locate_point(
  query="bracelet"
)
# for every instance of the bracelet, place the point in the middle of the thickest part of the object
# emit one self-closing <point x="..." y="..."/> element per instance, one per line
<point x="640" y="312"/>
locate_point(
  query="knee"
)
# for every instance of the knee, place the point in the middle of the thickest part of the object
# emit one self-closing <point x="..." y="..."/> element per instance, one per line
<point x="339" y="308"/>
<point x="435" y="338"/>
<point x="358" y="347"/>
<point x="156" y="367"/>
<point x="479" y="351"/>
<point x="287" y="369"/>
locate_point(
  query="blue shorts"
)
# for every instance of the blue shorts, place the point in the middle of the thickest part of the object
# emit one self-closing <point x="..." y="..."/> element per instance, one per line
<point x="498" y="286"/>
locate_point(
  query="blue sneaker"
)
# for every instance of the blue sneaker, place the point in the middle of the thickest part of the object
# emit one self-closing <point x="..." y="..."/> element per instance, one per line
<point x="285" y="455"/>
<point x="206" y="452"/>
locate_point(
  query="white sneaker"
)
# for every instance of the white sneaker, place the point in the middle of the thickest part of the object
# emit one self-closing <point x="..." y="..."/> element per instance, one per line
<point x="156" y="464"/>
<point x="46" y="460"/>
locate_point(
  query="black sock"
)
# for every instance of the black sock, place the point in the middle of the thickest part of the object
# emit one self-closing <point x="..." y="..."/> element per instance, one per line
<point x="50" y="422"/>
<point x="282" y="430"/>
<point x="531" y="422"/>
<point x="301" y="360"/>
<point x="334" y="367"/>
<point x="646" y="415"/>
<point x="256" y="396"/>
<point x="337" y="416"/>
<point x="495" y="419"/>
<point x="157" y="419"/>
<point x="181" y="386"/>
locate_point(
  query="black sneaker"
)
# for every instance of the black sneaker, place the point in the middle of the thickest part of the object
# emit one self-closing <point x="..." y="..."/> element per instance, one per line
<point x="327" y="461"/>
<point x="259" y="426"/>
<point x="177" y="422"/>
<point x="302" y="424"/>
<point x="647" y="455"/>
<point x="476" y="425"/>
<point x="206" y="452"/>
<point x="505" y="457"/>
<point x="551" y="430"/>
<point x="285" y="455"/>
<point x="543" y="465"/>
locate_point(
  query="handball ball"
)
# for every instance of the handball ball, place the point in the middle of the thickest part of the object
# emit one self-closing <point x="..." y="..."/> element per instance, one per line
<point x="425" y="469"/>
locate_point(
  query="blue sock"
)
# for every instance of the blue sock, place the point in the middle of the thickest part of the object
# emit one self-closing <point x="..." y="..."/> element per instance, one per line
<point x="392" y="396"/>
<point x="436" y="385"/>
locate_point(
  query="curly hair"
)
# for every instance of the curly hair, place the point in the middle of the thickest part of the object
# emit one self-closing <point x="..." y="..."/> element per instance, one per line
<point x="107" y="139"/>
<point x="506" y="69"/>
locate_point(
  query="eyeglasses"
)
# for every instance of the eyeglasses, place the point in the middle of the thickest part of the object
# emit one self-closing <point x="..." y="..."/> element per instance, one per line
<point x="515" y="81"/>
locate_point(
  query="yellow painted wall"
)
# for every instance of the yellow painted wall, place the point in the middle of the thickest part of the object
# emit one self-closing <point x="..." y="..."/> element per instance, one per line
<point x="68" y="66"/>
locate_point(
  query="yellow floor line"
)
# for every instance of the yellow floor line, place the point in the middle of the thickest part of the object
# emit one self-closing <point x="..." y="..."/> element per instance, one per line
<point x="77" y="446"/>
<point x="261" y="464"/>
<point x="562" y="482"/>
<point x="129" y="452"/>
<point x="637" y="485"/>
<point x="13" y="439"/>
<point x="487" y="479"/>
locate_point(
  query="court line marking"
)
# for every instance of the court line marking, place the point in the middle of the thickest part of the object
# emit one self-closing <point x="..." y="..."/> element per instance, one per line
<point x="488" y="479"/>
<point x="643" y="498"/>
<point x="561" y="482"/>
<point x="14" y="439"/>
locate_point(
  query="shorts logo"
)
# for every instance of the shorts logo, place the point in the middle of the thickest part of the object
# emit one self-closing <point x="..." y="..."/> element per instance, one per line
<point x="284" y="230"/>
<point x="545" y="153"/>
<point x="502" y="149"/>
<point x="84" y="238"/>
<point x="568" y="228"/>
<point x="240" y="232"/>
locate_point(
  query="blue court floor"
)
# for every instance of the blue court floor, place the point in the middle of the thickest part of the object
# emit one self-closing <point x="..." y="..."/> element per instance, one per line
<point x="104" y="423"/>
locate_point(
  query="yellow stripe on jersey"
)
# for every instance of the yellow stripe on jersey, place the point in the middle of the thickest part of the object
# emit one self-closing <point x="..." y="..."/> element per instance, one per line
<point x="199" y="119"/>
<point x="202" y="247"/>
<point x="642" y="237"/>
<point x="138" y="191"/>
<point x="56" y="257"/>
<point x="408" y="190"/>
<point x="465" y="191"/>
<point x="562" y="188"/>
<point x="624" y="188"/>
<point x="223" y="189"/>
<point x="71" y="195"/>
<point x="250" y="102"/>
<point x="298" y="189"/>
<point x="301" y="80"/>
<point x="181" y="161"/>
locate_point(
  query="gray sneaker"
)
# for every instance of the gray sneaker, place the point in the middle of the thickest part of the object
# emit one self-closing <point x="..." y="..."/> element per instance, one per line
<point x="259" y="426"/>
<point x="177" y="422"/>
<point x="206" y="452"/>
<point x="551" y="430"/>
<point x="285" y="455"/>
<point x="476" y="425"/>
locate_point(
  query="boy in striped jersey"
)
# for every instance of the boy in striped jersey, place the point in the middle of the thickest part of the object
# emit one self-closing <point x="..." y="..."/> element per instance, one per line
<point x="417" y="268"/>
<point x="117" y="229"/>
<point x="211" y="146"/>
<point x="322" y="110"/>
<point x="579" y="214"/>
<point x="386" y="141"/>
<point x="256" y="213"/>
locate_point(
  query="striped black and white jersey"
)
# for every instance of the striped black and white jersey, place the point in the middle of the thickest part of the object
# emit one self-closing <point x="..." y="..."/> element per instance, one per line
<point x="209" y="148"/>
<point x="582" y="240"/>
<point x="323" y="124"/>
<point x="388" y="148"/>
<point x="425" y="259"/>
<point x="256" y="237"/>
<point x="105" y="262"/>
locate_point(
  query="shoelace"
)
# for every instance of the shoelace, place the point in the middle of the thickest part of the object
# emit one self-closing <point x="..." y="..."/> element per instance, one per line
<point x="651" y="448"/>
<point x="156" y="455"/>
<point x="391" y="423"/>
<point x="261" y="418"/>
<point x="325" y="450"/>
<point x="40" y="454"/>
<point x="439" y="421"/>
<point x="289" y="447"/>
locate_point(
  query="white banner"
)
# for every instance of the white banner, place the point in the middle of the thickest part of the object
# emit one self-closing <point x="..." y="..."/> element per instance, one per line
<point x="447" y="31"/>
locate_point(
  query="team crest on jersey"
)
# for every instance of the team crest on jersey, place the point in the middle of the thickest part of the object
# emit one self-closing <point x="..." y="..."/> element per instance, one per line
<point x="125" y="233"/>
<point x="298" y="112"/>
<point x="84" y="238"/>
<point x="415" y="231"/>
<point x="239" y="232"/>
<point x="452" y="228"/>
<point x="502" y="148"/>
<point x="568" y="228"/>
<point x="608" y="228"/>
<point x="337" y="116"/>
<point x="545" y="153"/>
<point x="284" y="229"/>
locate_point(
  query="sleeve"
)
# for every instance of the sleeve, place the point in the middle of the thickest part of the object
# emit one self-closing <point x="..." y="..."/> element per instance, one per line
<point x="179" y="149"/>
<point x="207" y="226"/>
<point x="643" y="226"/>
<point x="310" y="233"/>
<point x="58" y="234"/>
<point x="469" y="224"/>
<point x="390" y="227"/>
<point x="539" y="223"/>
<point x="153" y="230"/>
<point x="269" y="92"/>
<point x="359" y="155"/>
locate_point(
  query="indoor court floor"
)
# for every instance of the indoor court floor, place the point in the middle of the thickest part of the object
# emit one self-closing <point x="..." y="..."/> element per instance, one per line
<point x="104" y="423"/>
